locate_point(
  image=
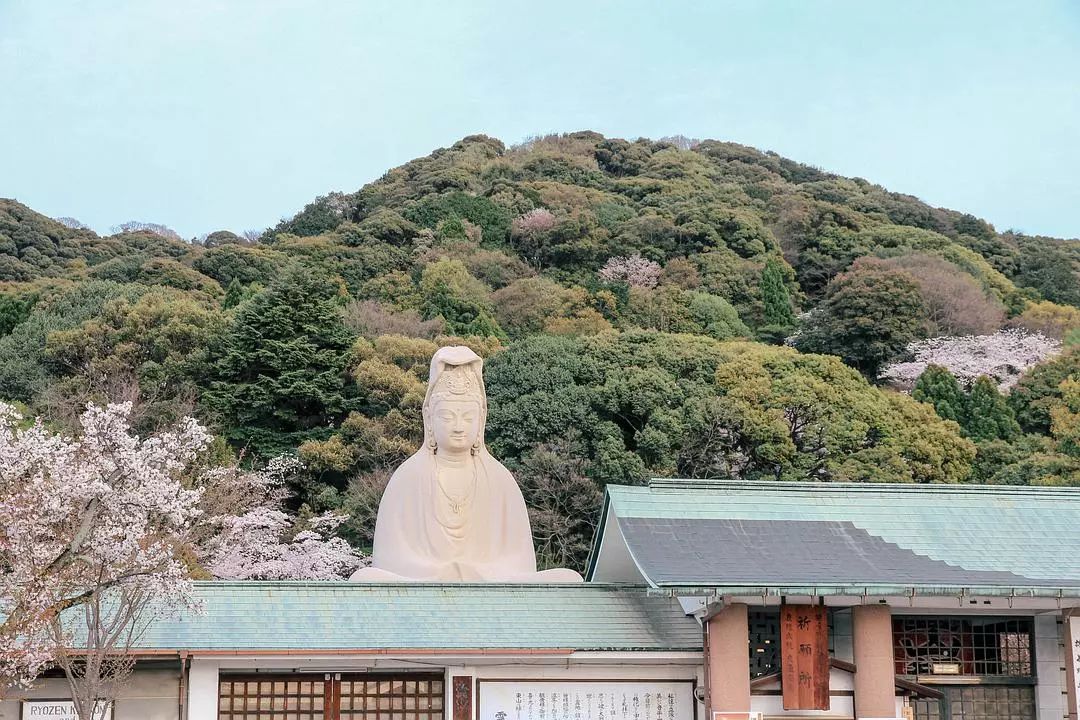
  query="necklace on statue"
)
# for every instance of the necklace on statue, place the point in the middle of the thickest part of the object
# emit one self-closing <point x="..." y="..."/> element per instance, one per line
<point x="457" y="502"/>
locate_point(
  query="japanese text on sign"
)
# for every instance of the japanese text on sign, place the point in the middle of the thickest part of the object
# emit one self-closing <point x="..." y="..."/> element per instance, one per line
<point x="804" y="657"/>
<point x="586" y="700"/>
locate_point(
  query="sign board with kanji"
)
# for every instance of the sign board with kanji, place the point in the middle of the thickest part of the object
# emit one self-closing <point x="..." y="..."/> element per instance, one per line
<point x="586" y="700"/>
<point x="804" y="657"/>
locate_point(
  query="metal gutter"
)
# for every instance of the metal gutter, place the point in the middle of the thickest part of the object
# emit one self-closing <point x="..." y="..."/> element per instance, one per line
<point x="705" y="587"/>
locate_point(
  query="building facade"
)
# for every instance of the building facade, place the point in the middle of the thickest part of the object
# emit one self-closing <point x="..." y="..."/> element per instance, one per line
<point x="702" y="600"/>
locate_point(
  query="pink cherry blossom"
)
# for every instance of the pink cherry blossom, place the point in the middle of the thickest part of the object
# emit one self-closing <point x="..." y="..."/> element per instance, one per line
<point x="634" y="270"/>
<point x="536" y="220"/>
<point x="1003" y="356"/>
<point x="108" y="515"/>
<point x="86" y="514"/>
<point x="255" y="543"/>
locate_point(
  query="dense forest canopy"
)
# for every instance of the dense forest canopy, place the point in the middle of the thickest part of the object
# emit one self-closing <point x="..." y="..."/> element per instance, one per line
<point x="670" y="308"/>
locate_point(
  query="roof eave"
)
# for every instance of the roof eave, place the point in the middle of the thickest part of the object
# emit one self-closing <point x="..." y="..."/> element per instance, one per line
<point x="598" y="537"/>
<point x="692" y="587"/>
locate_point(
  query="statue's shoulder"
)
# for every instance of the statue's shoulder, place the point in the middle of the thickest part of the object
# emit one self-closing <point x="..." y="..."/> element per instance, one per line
<point x="492" y="464"/>
<point x="414" y="467"/>
<point x="498" y="473"/>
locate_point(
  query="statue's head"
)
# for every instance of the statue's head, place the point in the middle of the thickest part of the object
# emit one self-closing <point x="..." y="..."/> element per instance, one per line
<point x="455" y="408"/>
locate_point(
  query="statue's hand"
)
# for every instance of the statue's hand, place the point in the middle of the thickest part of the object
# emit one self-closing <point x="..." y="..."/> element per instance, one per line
<point x="457" y="571"/>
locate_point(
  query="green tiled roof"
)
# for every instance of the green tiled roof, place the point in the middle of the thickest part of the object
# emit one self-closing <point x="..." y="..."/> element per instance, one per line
<point x="359" y="616"/>
<point x="985" y="531"/>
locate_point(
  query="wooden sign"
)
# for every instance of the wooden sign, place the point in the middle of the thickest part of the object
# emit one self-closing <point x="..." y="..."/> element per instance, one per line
<point x="804" y="657"/>
<point x="462" y="695"/>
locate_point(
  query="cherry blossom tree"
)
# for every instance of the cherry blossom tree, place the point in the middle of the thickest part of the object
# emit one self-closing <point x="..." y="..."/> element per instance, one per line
<point x="257" y="540"/>
<point x="102" y="532"/>
<point x="536" y="220"/>
<point x="634" y="270"/>
<point x="85" y="518"/>
<point x="1003" y="356"/>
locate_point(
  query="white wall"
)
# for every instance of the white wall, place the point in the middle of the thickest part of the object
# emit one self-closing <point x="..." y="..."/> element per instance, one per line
<point x="150" y="695"/>
<point x="1049" y="668"/>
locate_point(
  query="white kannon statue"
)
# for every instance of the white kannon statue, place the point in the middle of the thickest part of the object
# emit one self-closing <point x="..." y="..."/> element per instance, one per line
<point x="452" y="512"/>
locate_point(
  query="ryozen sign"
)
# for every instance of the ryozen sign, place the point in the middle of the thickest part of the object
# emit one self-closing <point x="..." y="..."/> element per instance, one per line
<point x="57" y="710"/>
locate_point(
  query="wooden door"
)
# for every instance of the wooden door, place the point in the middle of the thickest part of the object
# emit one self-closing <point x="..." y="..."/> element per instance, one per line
<point x="332" y="696"/>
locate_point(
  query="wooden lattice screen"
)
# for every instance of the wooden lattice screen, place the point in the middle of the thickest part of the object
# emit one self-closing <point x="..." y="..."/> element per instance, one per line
<point x="331" y="697"/>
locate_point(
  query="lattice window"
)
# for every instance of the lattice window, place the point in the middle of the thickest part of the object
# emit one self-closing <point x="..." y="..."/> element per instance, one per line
<point x="764" y="626"/>
<point x="979" y="702"/>
<point x="391" y="699"/>
<point x="963" y="646"/>
<point x="271" y="698"/>
<point x="333" y="697"/>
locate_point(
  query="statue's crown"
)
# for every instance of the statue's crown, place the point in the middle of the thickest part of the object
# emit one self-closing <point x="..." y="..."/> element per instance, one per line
<point x="455" y="380"/>
<point x="456" y="372"/>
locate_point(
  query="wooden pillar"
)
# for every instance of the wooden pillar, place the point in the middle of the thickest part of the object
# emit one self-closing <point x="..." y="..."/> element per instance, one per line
<point x="202" y="690"/>
<point x="875" y="673"/>
<point x="729" y="660"/>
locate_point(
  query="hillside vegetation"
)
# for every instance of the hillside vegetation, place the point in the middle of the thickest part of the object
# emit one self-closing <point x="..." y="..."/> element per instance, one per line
<point x="632" y="299"/>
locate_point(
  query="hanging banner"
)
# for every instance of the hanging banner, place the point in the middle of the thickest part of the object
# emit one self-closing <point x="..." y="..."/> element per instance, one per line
<point x="586" y="700"/>
<point x="804" y="657"/>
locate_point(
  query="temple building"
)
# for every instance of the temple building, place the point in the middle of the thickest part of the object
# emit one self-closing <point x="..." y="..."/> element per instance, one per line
<point x="702" y="600"/>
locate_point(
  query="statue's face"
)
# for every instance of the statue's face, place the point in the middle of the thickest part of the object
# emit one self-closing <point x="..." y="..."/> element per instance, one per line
<point x="456" y="424"/>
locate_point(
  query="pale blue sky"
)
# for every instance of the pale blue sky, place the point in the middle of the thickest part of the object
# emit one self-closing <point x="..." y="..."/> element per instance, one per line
<point x="205" y="115"/>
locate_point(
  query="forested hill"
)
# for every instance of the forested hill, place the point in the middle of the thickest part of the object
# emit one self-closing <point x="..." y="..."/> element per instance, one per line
<point x="632" y="299"/>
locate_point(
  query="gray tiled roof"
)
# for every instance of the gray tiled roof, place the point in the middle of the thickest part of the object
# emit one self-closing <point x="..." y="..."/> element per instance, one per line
<point x="359" y="616"/>
<point x="844" y="538"/>
<point x="787" y="552"/>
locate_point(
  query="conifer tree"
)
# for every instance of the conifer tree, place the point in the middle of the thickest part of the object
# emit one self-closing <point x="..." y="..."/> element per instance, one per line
<point x="774" y="294"/>
<point x="279" y="377"/>
<point x="778" y="318"/>
<point x="233" y="294"/>
<point x="988" y="416"/>
<point x="939" y="387"/>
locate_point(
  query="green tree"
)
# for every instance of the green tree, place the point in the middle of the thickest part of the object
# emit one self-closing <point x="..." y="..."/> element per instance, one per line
<point x="278" y="378"/>
<point x="775" y="296"/>
<point x="13" y="310"/>
<point x="1065" y="419"/>
<point x="646" y="404"/>
<point x="939" y="387"/>
<point x="233" y="294"/>
<point x="450" y="292"/>
<point x="868" y="316"/>
<point x="1048" y="268"/>
<point x="155" y="344"/>
<point x="1040" y="389"/>
<point x="988" y="416"/>
<point x="24" y="375"/>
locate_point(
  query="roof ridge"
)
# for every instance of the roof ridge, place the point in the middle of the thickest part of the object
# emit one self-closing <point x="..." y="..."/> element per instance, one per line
<point x="350" y="584"/>
<point x="1072" y="493"/>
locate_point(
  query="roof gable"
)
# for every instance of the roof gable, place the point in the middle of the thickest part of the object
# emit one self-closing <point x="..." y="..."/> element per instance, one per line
<point x="770" y="534"/>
